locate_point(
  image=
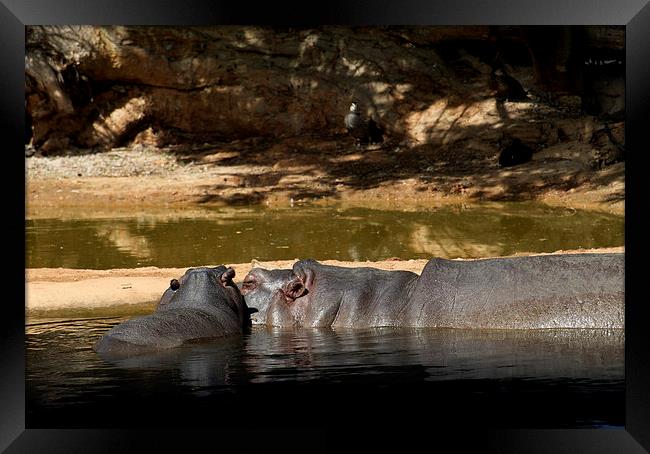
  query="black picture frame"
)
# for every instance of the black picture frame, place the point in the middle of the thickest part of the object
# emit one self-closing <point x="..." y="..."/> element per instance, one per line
<point x="634" y="14"/>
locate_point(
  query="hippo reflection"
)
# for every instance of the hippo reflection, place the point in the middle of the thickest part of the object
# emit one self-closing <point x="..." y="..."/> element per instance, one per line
<point x="331" y="354"/>
<point x="203" y="304"/>
<point x="546" y="291"/>
<point x="269" y="354"/>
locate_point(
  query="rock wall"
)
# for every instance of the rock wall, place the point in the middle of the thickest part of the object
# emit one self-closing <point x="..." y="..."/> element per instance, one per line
<point x="100" y="87"/>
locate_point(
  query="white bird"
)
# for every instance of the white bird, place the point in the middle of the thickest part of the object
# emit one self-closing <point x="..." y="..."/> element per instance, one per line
<point x="365" y="130"/>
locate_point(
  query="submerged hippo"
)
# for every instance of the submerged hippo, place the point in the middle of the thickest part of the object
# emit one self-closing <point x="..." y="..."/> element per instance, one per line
<point x="258" y="288"/>
<point x="317" y="295"/>
<point x="545" y="291"/>
<point x="549" y="291"/>
<point x="204" y="303"/>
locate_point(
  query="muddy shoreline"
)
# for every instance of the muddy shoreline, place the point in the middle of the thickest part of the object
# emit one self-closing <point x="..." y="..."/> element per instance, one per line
<point x="313" y="172"/>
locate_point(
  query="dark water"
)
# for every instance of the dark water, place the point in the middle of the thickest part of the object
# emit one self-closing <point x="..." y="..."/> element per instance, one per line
<point x="506" y="378"/>
<point x="179" y="239"/>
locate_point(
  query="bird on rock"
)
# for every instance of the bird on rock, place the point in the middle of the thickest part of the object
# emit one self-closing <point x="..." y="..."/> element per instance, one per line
<point x="364" y="130"/>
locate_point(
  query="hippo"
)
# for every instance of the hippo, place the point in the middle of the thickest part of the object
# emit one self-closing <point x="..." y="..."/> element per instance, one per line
<point x="544" y="291"/>
<point x="533" y="292"/>
<point x="316" y="295"/>
<point x="258" y="287"/>
<point x="203" y="304"/>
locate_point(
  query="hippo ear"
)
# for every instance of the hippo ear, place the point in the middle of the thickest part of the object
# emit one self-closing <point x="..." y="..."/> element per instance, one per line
<point x="294" y="288"/>
<point x="227" y="275"/>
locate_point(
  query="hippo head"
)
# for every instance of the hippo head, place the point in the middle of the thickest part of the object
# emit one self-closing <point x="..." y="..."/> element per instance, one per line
<point x="205" y="288"/>
<point x="259" y="287"/>
<point x="310" y="294"/>
<point x="204" y="303"/>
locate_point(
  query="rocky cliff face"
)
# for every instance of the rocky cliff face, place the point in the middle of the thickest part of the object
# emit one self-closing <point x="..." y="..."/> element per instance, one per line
<point x="89" y="87"/>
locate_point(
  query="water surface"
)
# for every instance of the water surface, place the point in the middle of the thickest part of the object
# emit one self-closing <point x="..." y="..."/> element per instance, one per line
<point x="500" y="378"/>
<point x="238" y="235"/>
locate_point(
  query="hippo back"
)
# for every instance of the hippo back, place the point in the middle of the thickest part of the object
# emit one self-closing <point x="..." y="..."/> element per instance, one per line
<point x="547" y="291"/>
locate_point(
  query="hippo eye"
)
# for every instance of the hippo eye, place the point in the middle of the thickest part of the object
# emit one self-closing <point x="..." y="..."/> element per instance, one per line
<point x="248" y="284"/>
<point x="174" y="284"/>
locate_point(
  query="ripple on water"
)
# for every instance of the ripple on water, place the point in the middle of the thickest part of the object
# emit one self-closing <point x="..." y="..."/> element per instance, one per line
<point x="64" y="371"/>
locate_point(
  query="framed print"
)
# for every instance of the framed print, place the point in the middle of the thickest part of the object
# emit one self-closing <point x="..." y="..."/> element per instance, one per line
<point x="411" y="222"/>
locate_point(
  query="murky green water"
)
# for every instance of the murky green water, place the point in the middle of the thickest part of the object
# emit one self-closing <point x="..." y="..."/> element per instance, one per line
<point x="179" y="239"/>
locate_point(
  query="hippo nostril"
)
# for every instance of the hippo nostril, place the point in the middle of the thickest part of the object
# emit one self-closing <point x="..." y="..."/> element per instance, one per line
<point x="174" y="284"/>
